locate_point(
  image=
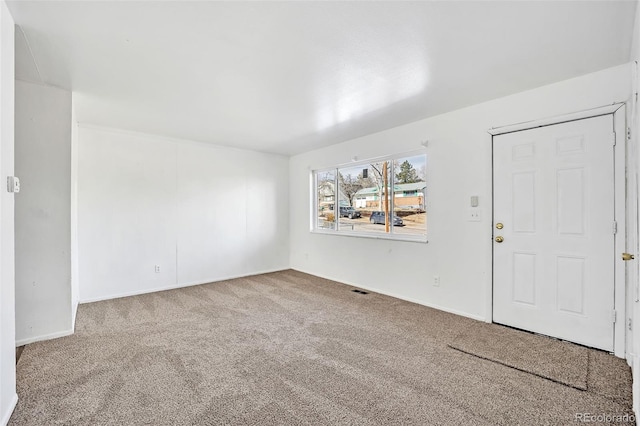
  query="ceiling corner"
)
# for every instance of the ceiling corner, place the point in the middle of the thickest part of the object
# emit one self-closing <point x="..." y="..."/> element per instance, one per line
<point x="26" y="65"/>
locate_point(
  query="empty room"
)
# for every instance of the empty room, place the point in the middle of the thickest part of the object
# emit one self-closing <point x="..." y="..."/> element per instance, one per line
<point x="319" y="212"/>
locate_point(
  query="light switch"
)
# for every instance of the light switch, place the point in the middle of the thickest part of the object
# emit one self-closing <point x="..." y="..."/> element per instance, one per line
<point x="13" y="184"/>
<point x="474" y="201"/>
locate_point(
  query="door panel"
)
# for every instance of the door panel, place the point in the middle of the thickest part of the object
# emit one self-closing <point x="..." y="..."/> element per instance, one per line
<point x="524" y="278"/>
<point x="554" y="193"/>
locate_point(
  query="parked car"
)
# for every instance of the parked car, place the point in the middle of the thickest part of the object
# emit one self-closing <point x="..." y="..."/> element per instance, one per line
<point x="379" y="218"/>
<point x="350" y="212"/>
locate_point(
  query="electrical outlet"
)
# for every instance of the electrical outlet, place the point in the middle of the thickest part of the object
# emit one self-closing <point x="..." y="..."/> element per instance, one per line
<point x="157" y="269"/>
<point x="436" y="280"/>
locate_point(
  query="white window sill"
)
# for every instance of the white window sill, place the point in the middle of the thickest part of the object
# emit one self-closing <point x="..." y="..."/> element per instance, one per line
<point x="394" y="237"/>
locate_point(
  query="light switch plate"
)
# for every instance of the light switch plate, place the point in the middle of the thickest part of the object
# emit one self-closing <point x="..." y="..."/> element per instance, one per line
<point x="13" y="184"/>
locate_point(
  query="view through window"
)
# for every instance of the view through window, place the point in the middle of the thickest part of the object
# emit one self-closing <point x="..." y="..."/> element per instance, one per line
<point x="382" y="197"/>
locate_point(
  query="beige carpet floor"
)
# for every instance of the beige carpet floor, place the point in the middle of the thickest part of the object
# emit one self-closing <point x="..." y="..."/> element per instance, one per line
<point x="288" y="348"/>
<point x="562" y="362"/>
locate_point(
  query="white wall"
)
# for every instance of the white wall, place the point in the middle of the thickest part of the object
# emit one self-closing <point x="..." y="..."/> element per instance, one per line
<point x="201" y="212"/>
<point x="75" y="267"/>
<point x="43" y="212"/>
<point x="459" y="165"/>
<point x="8" y="396"/>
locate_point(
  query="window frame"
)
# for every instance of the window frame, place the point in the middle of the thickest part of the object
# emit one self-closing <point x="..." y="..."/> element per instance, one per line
<point x="335" y="230"/>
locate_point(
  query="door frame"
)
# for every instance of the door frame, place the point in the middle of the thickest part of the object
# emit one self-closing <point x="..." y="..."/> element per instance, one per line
<point x="618" y="112"/>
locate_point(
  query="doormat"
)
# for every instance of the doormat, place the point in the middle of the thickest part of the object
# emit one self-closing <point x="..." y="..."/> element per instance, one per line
<point x="549" y="358"/>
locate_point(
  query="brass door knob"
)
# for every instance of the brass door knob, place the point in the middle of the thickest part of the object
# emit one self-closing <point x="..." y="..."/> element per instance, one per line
<point x="499" y="225"/>
<point x="499" y="239"/>
<point x="627" y="256"/>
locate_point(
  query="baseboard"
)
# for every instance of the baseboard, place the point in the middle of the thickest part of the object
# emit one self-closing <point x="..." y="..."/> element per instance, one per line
<point x="181" y="285"/>
<point x="397" y="296"/>
<point x="44" y="337"/>
<point x="12" y="406"/>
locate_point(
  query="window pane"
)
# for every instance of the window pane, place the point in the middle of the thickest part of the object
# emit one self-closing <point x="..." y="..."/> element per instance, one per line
<point x="369" y="197"/>
<point x="409" y="190"/>
<point x="325" y="186"/>
<point x="350" y="181"/>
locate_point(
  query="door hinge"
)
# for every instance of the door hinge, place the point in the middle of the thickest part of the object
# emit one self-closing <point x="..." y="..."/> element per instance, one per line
<point x="615" y="227"/>
<point x="629" y="129"/>
<point x="614" y="316"/>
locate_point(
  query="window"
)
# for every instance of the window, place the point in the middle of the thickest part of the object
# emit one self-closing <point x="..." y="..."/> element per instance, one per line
<point x="382" y="197"/>
<point x="325" y="189"/>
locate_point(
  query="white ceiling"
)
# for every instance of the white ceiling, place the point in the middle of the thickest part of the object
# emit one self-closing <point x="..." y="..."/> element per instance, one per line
<point x="288" y="77"/>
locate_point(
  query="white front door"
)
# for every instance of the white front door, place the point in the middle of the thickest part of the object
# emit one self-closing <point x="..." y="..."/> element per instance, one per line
<point x="554" y="196"/>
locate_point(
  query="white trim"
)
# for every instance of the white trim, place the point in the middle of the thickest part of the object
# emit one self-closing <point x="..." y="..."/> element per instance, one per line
<point x="393" y="237"/>
<point x="549" y="121"/>
<point x="488" y="317"/>
<point x="396" y="296"/>
<point x="620" y="206"/>
<point x="313" y="204"/>
<point x="12" y="406"/>
<point x="55" y="335"/>
<point x="75" y="261"/>
<point x="176" y="286"/>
